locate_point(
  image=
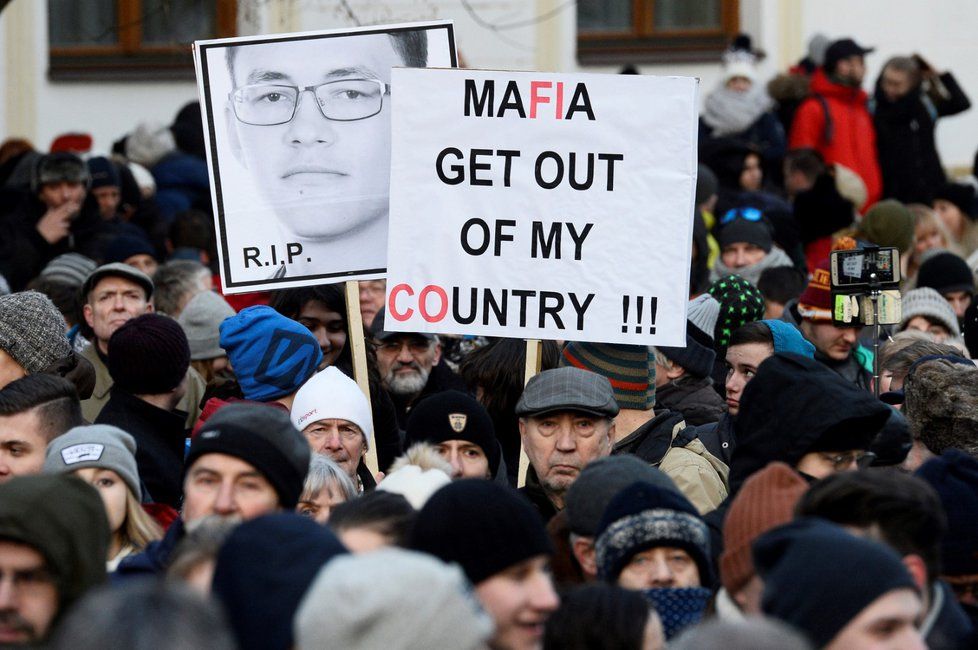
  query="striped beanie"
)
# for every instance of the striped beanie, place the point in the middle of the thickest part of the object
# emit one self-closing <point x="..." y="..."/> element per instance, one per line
<point x="629" y="368"/>
<point x="70" y="269"/>
<point x="740" y="303"/>
<point x="815" y="303"/>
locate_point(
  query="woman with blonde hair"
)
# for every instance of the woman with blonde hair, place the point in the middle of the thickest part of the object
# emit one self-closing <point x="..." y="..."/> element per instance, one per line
<point x="929" y="233"/>
<point x="105" y="457"/>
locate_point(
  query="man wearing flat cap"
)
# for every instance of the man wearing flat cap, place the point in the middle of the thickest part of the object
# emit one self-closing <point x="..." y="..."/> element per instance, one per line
<point x="566" y="421"/>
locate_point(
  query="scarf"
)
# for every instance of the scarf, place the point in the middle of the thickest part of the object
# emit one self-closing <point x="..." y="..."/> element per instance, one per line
<point x="729" y="112"/>
<point x="752" y="273"/>
<point x="678" y="608"/>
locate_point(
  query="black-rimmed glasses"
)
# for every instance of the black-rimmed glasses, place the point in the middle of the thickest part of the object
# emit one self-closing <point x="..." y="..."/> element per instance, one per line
<point x="346" y="100"/>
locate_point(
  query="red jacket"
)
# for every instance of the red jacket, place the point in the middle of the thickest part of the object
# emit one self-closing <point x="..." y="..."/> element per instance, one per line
<point x="853" y="138"/>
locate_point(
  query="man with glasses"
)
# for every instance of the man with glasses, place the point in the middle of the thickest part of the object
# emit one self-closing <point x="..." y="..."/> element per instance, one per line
<point x="310" y="120"/>
<point x="54" y="538"/>
<point x="411" y="366"/>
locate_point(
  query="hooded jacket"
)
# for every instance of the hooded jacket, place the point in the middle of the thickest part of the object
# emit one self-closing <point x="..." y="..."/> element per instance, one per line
<point x="63" y="518"/>
<point x="850" y="138"/>
<point x="791" y="404"/>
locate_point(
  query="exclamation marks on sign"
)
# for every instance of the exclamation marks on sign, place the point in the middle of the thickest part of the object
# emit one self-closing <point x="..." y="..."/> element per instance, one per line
<point x="639" y="313"/>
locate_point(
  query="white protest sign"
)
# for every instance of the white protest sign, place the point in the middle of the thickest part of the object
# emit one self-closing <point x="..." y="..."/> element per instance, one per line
<point x="298" y="148"/>
<point x="534" y="205"/>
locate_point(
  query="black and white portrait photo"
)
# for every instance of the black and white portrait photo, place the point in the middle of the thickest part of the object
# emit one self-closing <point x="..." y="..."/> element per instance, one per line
<point x="299" y="131"/>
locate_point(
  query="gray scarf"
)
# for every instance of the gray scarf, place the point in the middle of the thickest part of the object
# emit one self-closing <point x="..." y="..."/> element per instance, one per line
<point x="752" y="273"/>
<point x="728" y="112"/>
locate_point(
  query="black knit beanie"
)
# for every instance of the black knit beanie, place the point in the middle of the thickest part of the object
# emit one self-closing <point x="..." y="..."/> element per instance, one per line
<point x="262" y="436"/>
<point x="758" y="233"/>
<point x="698" y="355"/>
<point x="148" y="355"/>
<point x="818" y="577"/>
<point x="946" y="272"/>
<point x="962" y="195"/>
<point x="482" y="526"/>
<point x="453" y="415"/>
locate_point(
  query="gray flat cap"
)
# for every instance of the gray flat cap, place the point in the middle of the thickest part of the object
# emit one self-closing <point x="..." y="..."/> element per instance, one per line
<point x="118" y="270"/>
<point x="568" y="389"/>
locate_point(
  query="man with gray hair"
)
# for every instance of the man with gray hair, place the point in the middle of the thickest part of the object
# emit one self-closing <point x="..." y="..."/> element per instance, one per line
<point x="411" y="366"/>
<point x="176" y="283"/>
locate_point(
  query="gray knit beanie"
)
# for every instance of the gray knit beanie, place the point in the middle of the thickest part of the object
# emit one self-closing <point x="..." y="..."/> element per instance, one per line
<point x="599" y="482"/>
<point x="201" y="321"/>
<point x="32" y="330"/>
<point x="403" y="600"/>
<point x="703" y="311"/>
<point x="927" y="302"/>
<point x="102" y="446"/>
<point x="70" y="269"/>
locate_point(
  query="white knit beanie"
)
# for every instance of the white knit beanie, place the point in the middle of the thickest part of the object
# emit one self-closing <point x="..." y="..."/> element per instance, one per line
<point x="332" y="395"/>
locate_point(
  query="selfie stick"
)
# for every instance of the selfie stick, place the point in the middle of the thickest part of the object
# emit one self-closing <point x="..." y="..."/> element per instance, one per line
<point x="874" y="296"/>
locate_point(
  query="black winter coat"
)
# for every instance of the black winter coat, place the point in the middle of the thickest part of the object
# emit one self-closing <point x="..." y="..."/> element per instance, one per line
<point x="908" y="157"/>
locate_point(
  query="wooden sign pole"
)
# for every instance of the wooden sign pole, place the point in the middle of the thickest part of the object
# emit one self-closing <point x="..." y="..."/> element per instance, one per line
<point x="534" y="358"/>
<point x="358" y="348"/>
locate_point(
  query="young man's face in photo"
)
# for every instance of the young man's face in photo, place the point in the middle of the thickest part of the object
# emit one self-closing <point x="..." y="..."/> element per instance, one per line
<point x="323" y="177"/>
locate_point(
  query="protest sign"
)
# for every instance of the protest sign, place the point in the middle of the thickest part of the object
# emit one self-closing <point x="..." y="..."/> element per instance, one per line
<point x="298" y="148"/>
<point x="536" y="205"/>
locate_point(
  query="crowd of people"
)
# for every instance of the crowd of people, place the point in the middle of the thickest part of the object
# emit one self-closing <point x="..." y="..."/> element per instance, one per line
<point x="184" y="469"/>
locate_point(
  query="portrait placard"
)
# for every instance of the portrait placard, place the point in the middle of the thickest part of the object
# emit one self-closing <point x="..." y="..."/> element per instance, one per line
<point x="298" y="148"/>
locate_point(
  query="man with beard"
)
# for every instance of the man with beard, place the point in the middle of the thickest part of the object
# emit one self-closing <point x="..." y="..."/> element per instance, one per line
<point x="411" y="366"/>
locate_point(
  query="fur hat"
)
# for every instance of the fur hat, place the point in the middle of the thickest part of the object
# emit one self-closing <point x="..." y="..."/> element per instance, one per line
<point x="941" y="405"/>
